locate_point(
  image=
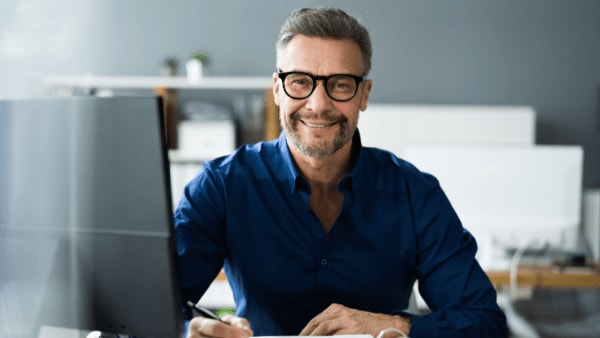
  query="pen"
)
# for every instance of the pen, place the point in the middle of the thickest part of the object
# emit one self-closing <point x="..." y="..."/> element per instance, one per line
<point x="202" y="311"/>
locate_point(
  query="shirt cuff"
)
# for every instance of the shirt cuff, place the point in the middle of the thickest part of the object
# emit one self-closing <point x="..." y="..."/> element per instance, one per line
<point x="422" y="326"/>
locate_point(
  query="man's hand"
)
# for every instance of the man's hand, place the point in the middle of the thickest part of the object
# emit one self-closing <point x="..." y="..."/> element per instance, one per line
<point x="338" y="319"/>
<point x="231" y="327"/>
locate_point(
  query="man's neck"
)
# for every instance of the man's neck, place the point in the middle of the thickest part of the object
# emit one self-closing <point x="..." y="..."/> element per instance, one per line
<point x="323" y="172"/>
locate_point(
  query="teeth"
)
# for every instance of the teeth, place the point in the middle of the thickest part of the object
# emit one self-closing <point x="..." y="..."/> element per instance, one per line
<point x="318" y="125"/>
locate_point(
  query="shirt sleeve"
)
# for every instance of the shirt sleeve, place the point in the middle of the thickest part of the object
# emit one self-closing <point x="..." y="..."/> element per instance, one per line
<point x="450" y="280"/>
<point x="200" y="238"/>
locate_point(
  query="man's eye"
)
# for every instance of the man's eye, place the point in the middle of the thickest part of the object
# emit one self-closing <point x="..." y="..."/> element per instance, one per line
<point x="341" y="85"/>
<point x="299" y="82"/>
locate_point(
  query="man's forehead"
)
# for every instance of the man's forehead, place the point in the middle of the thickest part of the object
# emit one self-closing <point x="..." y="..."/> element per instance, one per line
<point x="327" y="55"/>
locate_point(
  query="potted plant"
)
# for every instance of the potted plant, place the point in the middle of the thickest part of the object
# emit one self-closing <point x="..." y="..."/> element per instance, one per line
<point x="194" y="65"/>
<point x="170" y="67"/>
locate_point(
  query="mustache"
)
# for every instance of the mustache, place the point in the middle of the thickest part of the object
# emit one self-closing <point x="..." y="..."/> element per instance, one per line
<point x="322" y="116"/>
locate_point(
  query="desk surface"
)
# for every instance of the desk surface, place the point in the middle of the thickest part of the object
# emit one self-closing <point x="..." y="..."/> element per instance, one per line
<point x="549" y="277"/>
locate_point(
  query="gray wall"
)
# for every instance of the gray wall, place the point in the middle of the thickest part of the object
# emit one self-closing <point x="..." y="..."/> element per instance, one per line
<point x="543" y="53"/>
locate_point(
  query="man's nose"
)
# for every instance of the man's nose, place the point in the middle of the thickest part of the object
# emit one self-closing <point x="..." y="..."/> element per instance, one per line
<point x="319" y="100"/>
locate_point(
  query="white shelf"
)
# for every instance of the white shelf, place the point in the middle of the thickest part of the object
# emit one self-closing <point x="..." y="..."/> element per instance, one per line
<point x="150" y="82"/>
<point x="182" y="157"/>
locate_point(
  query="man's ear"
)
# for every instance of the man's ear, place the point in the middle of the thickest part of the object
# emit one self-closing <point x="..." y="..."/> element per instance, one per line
<point x="364" y="98"/>
<point x="276" y="89"/>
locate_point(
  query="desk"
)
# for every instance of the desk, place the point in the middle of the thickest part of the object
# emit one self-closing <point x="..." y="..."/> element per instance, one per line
<point x="166" y="87"/>
<point x="549" y="277"/>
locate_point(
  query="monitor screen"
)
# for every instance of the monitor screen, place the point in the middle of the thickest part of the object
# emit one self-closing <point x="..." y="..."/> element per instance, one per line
<point x="86" y="236"/>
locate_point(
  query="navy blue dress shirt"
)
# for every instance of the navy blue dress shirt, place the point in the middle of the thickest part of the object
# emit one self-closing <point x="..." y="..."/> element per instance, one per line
<point x="250" y="213"/>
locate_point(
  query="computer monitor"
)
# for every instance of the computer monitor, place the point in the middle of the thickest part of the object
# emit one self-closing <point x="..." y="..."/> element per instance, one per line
<point x="86" y="236"/>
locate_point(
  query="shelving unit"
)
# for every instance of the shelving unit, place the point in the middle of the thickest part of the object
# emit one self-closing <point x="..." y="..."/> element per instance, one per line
<point x="54" y="83"/>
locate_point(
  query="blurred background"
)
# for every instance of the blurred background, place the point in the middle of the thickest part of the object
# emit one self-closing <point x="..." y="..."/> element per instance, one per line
<point x="543" y="55"/>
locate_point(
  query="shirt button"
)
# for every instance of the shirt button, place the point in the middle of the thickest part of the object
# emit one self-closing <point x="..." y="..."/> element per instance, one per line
<point x="323" y="261"/>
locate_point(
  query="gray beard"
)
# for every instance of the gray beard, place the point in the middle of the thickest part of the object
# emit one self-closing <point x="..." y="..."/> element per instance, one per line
<point x="315" y="150"/>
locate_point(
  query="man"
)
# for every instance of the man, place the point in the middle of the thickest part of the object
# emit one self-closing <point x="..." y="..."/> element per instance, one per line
<point x="319" y="235"/>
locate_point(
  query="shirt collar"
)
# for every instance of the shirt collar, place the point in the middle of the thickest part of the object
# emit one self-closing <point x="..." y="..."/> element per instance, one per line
<point x="349" y="180"/>
<point x="289" y="166"/>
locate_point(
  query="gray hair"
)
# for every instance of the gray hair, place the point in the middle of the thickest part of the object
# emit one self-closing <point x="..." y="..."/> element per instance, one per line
<point x="326" y="23"/>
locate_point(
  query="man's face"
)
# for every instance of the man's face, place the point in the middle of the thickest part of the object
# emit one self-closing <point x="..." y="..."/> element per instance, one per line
<point x="318" y="126"/>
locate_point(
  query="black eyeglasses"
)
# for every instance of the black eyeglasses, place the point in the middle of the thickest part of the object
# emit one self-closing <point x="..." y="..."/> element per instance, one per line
<point x="339" y="87"/>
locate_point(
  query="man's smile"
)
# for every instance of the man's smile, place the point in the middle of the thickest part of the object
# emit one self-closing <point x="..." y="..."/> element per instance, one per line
<point x="318" y="125"/>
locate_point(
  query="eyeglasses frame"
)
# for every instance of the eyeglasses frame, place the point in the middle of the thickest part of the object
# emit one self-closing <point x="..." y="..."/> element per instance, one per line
<point x="282" y="75"/>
